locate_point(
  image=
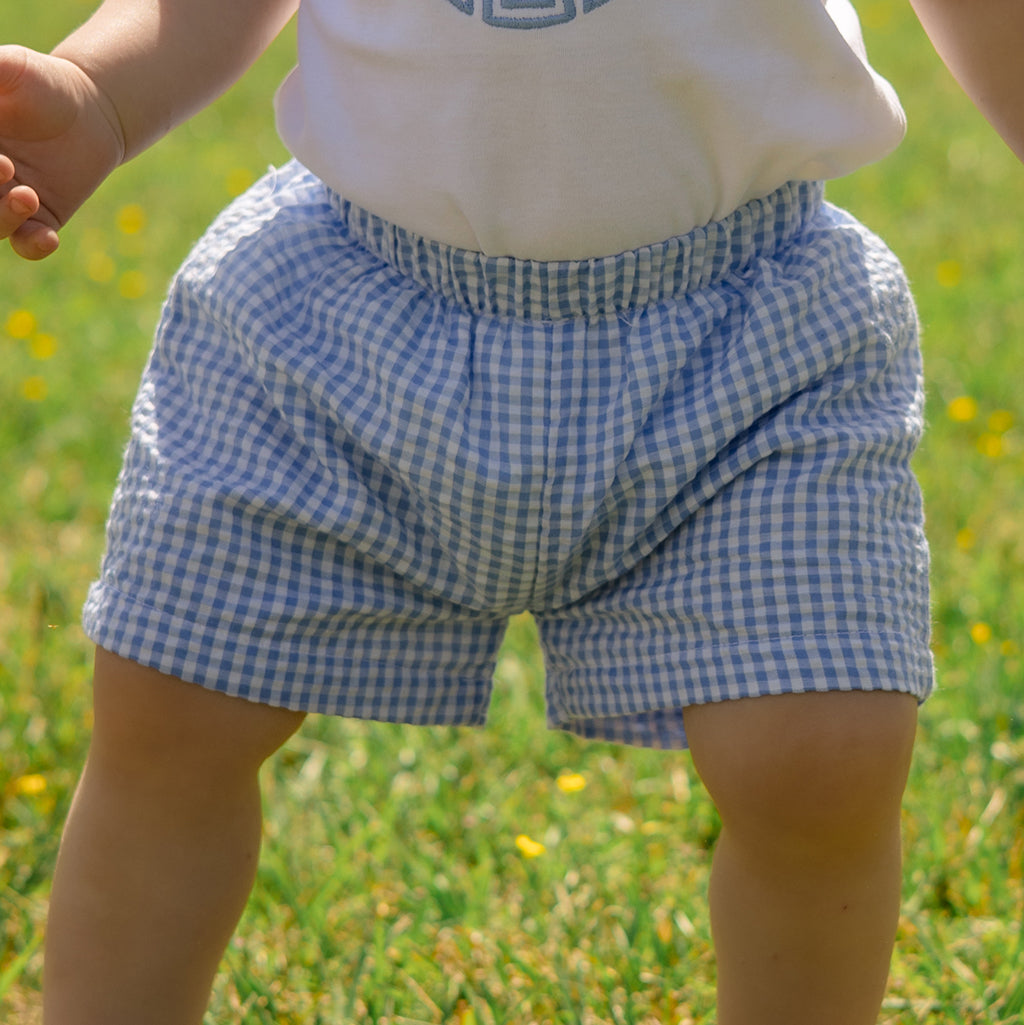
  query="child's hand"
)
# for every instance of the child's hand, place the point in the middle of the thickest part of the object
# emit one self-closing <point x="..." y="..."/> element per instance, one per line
<point x="59" y="138"/>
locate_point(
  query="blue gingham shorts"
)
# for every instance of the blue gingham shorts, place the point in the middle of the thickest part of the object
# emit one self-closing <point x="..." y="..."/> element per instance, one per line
<point x="355" y="452"/>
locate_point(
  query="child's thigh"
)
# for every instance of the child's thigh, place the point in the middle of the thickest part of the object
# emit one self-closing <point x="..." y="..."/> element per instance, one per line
<point x="147" y="718"/>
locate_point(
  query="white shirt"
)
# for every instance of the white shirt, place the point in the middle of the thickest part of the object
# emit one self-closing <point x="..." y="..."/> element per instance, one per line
<point x="564" y="129"/>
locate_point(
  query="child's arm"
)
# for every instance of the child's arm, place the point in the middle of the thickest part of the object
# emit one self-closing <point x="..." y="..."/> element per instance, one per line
<point x="159" y="61"/>
<point x="982" y="43"/>
<point x="135" y="70"/>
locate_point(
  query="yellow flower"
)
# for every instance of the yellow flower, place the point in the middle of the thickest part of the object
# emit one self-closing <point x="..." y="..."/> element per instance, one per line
<point x="1000" y="421"/>
<point x="100" y="267"/>
<point x="990" y="445"/>
<point x="21" y="324"/>
<point x="966" y="539"/>
<point x="131" y="219"/>
<point x="238" y="179"/>
<point x="31" y="785"/>
<point x="571" y="782"/>
<point x="981" y="633"/>
<point x="876" y="17"/>
<point x="34" y="388"/>
<point x="948" y="273"/>
<point x="962" y="409"/>
<point x="529" y="848"/>
<point x="43" y="346"/>
<point x="133" y="284"/>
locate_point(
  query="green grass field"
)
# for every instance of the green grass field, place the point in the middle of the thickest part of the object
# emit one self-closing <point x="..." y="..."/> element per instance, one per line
<point x="510" y="875"/>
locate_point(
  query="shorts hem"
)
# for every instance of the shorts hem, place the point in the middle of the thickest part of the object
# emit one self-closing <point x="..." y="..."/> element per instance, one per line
<point x="638" y="705"/>
<point x="169" y="644"/>
<point x="814" y="663"/>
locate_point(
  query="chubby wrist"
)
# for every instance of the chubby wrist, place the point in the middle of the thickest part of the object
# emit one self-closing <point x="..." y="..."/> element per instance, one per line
<point x="93" y="94"/>
<point x="110" y="113"/>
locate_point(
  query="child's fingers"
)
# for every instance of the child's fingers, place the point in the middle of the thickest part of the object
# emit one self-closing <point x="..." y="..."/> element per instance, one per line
<point x="30" y="237"/>
<point x="34" y="240"/>
<point x="17" y="205"/>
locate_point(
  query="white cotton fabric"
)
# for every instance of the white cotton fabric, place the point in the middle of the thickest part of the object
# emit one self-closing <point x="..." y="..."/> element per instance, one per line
<point x="568" y="129"/>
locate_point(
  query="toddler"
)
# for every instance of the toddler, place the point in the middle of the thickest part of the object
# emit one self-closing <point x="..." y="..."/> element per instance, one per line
<point x="547" y="313"/>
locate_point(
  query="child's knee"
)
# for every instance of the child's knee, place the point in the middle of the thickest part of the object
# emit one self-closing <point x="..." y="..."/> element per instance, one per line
<point x="146" y="720"/>
<point x="806" y="773"/>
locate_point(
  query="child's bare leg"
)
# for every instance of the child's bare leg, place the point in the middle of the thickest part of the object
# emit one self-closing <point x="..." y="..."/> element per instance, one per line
<point x="805" y="885"/>
<point x="160" y="849"/>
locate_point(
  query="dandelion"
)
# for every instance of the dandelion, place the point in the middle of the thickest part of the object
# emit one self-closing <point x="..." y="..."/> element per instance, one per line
<point x="877" y="17"/>
<point x="949" y="273"/>
<point x="31" y="785"/>
<point x="131" y="219"/>
<point x="100" y="267"/>
<point x="966" y="539"/>
<point x="43" y="346"/>
<point x="529" y="848"/>
<point x="571" y="782"/>
<point x="133" y="284"/>
<point x="963" y="409"/>
<point x="237" y="180"/>
<point x="1009" y="649"/>
<point x="1000" y="421"/>
<point x="990" y="445"/>
<point x="34" y="388"/>
<point x="21" y="324"/>
<point x="981" y="633"/>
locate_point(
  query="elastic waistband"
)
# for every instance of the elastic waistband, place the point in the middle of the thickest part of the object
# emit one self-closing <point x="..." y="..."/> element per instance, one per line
<point x="557" y="290"/>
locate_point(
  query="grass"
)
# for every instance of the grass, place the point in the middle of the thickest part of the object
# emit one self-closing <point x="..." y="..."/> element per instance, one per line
<point x="509" y="875"/>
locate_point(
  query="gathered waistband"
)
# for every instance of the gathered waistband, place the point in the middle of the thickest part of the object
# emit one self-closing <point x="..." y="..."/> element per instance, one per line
<point x="557" y="290"/>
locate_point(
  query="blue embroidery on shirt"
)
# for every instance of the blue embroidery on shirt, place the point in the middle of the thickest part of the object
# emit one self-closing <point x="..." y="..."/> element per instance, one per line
<point x="526" y="13"/>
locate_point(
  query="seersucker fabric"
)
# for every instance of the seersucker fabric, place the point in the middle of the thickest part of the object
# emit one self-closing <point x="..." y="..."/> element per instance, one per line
<point x="355" y="452"/>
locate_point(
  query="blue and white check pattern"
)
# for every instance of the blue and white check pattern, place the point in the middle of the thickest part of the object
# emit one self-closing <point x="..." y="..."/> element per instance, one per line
<point x="355" y="452"/>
